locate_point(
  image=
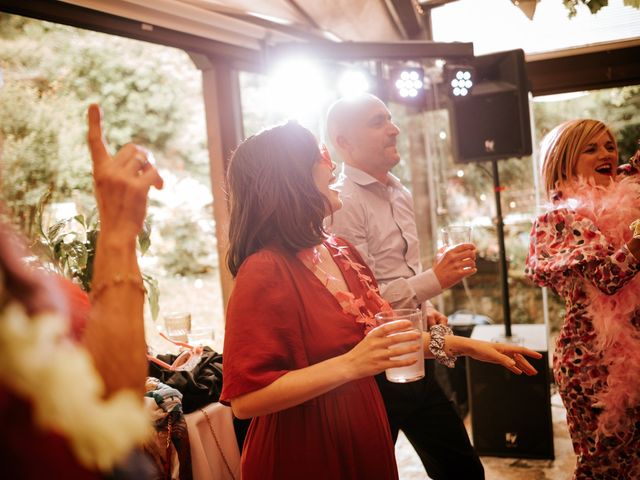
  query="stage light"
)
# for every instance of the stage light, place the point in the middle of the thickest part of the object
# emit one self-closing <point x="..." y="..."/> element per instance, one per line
<point x="459" y="79"/>
<point x="408" y="84"/>
<point x="353" y="82"/>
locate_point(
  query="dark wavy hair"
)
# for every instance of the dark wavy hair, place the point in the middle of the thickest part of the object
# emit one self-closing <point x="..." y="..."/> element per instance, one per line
<point x="274" y="200"/>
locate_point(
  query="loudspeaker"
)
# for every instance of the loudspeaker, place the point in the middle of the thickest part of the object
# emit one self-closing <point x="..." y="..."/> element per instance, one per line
<point x="511" y="414"/>
<point x="492" y="122"/>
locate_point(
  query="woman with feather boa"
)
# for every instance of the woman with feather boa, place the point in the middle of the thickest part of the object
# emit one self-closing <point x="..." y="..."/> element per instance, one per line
<point x="586" y="247"/>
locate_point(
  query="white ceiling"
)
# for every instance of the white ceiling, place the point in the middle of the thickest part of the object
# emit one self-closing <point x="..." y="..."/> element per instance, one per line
<point x="219" y="20"/>
<point x="491" y="25"/>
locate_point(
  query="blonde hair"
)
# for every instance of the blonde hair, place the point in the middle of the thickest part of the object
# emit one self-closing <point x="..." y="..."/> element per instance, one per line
<point x="561" y="148"/>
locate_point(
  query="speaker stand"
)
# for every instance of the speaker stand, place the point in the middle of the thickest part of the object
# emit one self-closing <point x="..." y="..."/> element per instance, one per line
<point x="504" y="272"/>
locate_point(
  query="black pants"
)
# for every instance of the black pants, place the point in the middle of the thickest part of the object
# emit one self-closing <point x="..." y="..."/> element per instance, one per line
<point x="430" y="422"/>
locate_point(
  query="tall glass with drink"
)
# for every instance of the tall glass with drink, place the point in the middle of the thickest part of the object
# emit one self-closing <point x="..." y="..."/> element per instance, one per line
<point x="455" y="235"/>
<point x="416" y="370"/>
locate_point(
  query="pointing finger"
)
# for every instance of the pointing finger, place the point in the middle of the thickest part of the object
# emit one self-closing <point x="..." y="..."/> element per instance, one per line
<point x="97" y="148"/>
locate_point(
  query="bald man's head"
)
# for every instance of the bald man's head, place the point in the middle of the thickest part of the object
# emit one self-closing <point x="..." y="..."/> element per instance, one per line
<point x="361" y="130"/>
<point x="343" y="112"/>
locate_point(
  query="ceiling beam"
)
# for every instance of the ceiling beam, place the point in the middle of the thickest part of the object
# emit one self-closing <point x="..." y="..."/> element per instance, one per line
<point x="81" y="17"/>
<point x="606" y="66"/>
<point x="309" y="19"/>
<point x="404" y="16"/>
<point x="406" y="50"/>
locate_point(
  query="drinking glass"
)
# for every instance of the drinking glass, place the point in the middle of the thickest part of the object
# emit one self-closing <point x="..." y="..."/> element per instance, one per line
<point x="201" y="336"/>
<point x="455" y="235"/>
<point x="415" y="371"/>
<point x="178" y="325"/>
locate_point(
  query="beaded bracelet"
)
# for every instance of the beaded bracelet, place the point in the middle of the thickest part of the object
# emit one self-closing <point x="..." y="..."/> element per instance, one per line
<point x="635" y="228"/>
<point x="117" y="279"/>
<point x="436" y="345"/>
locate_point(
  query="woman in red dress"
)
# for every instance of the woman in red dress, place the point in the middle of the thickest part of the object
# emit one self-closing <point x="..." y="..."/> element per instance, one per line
<point x="300" y="346"/>
<point x="583" y="249"/>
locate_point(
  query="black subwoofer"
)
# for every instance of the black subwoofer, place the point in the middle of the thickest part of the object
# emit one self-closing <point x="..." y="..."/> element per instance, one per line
<point x="510" y="414"/>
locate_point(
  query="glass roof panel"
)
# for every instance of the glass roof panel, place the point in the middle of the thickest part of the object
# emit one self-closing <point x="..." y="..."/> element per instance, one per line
<point x="497" y="25"/>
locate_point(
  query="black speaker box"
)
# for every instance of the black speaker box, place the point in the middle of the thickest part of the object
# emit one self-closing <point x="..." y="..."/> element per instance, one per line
<point x="492" y="122"/>
<point x="511" y="414"/>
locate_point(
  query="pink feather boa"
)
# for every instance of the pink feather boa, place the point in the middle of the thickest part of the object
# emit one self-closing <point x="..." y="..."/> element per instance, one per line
<point x="612" y="209"/>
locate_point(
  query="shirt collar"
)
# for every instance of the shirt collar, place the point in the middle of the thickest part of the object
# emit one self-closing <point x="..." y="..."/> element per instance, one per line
<point x="364" y="179"/>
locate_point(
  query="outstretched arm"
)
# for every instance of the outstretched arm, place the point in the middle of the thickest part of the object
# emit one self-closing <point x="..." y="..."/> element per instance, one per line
<point x="115" y="333"/>
<point x="511" y="357"/>
<point x="369" y="357"/>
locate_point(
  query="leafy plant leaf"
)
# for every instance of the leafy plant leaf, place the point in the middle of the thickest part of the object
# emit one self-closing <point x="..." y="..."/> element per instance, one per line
<point x="80" y="219"/>
<point x="144" y="237"/>
<point x="54" y="231"/>
<point x="153" y="294"/>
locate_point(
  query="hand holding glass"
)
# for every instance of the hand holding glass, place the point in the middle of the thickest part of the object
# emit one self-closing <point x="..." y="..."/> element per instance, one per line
<point x="415" y="371"/>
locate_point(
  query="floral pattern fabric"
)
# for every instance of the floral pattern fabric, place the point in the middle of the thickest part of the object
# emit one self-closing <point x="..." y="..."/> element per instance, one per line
<point x="572" y="256"/>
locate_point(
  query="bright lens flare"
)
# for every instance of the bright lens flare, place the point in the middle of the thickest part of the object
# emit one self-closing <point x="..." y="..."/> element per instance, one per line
<point x="353" y="83"/>
<point x="297" y="88"/>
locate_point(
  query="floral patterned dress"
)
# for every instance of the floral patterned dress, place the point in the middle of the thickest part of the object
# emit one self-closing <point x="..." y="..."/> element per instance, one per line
<point x="570" y="254"/>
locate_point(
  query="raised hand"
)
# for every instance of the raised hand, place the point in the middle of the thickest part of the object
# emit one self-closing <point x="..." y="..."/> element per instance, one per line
<point x="455" y="263"/>
<point x="122" y="182"/>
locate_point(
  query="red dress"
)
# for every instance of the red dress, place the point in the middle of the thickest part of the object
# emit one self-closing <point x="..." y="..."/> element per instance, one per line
<point x="281" y="318"/>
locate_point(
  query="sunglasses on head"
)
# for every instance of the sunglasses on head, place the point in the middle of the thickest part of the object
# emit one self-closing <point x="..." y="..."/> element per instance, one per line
<point x="187" y="359"/>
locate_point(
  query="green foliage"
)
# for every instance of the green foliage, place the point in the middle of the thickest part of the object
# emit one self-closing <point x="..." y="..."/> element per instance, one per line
<point x="69" y="246"/>
<point x="152" y="290"/>
<point x="51" y="73"/>
<point x="37" y="159"/>
<point x="190" y="248"/>
<point x="629" y="141"/>
<point x="149" y="94"/>
<point x="594" y="5"/>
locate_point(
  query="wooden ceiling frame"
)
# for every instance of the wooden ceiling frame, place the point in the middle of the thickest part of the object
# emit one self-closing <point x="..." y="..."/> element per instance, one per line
<point x="404" y="16"/>
<point x="590" y="68"/>
<point x="601" y="66"/>
<point x="89" y="19"/>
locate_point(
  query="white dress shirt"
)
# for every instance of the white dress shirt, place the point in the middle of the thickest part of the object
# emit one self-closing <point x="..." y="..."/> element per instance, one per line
<point x="379" y="221"/>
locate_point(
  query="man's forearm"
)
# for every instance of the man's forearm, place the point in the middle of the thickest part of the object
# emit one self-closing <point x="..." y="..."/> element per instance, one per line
<point x="411" y="292"/>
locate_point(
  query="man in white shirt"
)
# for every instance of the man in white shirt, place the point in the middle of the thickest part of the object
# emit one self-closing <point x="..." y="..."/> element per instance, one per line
<point x="377" y="217"/>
